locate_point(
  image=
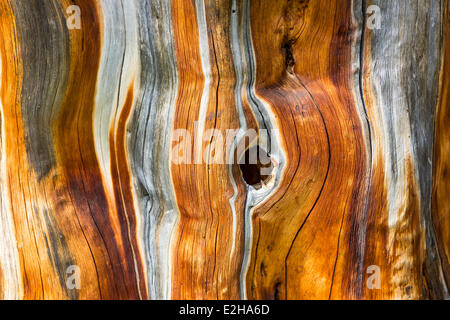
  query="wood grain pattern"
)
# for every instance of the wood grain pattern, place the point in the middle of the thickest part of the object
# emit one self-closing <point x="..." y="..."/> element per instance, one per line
<point x="123" y="145"/>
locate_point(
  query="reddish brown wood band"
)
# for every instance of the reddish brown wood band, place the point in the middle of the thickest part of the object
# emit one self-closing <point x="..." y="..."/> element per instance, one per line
<point x="224" y="149"/>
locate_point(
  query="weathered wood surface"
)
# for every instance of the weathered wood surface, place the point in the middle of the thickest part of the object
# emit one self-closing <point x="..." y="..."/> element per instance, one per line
<point x="113" y="137"/>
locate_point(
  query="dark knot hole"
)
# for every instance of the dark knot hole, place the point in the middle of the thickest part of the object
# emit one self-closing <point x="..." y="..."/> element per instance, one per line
<point x="256" y="167"/>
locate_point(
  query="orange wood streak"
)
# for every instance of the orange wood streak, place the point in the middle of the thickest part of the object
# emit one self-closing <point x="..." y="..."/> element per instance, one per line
<point x="291" y="259"/>
<point x="124" y="194"/>
<point x="32" y="201"/>
<point x="12" y="72"/>
<point x="64" y="218"/>
<point x="441" y="169"/>
<point x="190" y="88"/>
<point x="103" y="225"/>
<point x="203" y="265"/>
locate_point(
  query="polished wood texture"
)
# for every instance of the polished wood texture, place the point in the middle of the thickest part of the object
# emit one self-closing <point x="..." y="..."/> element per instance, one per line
<point x="351" y="117"/>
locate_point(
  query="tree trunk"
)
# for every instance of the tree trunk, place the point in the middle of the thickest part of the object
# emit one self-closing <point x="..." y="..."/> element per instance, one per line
<point x="240" y="149"/>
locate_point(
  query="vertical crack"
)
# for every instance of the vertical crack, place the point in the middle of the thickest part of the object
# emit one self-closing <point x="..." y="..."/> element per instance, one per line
<point x="361" y="233"/>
